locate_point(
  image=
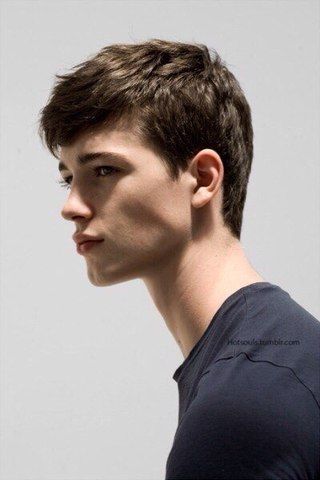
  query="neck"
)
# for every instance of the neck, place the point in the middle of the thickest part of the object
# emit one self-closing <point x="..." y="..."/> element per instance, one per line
<point x="190" y="287"/>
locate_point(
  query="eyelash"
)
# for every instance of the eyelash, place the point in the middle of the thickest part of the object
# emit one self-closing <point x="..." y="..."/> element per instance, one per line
<point x="65" y="184"/>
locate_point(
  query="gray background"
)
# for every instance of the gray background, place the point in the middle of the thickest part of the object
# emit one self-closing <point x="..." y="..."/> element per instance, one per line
<point x="86" y="373"/>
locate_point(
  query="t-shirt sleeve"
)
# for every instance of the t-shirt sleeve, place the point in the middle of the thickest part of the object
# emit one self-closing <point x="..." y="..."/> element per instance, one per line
<point x="248" y="420"/>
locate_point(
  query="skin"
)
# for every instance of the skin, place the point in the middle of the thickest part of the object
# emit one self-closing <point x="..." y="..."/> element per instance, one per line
<point x="168" y="233"/>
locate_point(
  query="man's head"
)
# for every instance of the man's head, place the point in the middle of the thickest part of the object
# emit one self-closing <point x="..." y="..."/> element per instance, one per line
<point x="183" y="123"/>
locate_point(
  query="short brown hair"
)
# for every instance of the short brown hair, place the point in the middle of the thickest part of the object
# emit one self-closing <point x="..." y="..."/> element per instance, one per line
<point x="176" y="96"/>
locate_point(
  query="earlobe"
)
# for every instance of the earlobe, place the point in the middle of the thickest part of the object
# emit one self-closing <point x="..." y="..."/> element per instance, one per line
<point x="201" y="197"/>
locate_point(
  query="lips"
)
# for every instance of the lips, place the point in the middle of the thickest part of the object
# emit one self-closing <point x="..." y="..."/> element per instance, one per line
<point x="80" y="238"/>
<point x="85" y="246"/>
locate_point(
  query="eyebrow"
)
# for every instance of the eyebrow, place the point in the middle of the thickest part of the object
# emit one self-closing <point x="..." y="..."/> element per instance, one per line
<point x="90" y="157"/>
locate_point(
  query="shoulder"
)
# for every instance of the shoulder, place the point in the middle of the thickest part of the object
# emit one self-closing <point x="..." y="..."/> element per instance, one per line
<point x="252" y="417"/>
<point x="253" y="386"/>
<point x="279" y="330"/>
<point x="274" y="303"/>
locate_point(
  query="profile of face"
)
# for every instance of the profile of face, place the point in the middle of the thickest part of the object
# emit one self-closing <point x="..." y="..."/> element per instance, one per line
<point x="130" y="201"/>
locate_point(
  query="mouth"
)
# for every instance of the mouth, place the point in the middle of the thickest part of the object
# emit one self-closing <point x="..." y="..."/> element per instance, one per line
<point x="84" y="247"/>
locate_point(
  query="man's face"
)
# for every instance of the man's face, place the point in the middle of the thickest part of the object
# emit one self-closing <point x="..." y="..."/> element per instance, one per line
<point x="140" y="212"/>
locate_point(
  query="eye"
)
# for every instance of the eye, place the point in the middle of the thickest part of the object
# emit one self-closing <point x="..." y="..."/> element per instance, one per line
<point x="66" y="182"/>
<point x="98" y="169"/>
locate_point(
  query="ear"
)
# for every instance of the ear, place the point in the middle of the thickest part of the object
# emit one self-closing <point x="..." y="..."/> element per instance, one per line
<point x="207" y="169"/>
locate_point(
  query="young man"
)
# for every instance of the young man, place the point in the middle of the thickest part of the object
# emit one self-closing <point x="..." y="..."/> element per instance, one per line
<point x="155" y="142"/>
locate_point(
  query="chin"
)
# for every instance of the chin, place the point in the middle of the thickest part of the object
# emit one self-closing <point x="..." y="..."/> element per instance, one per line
<point x="106" y="279"/>
<point x="98" y="281"/>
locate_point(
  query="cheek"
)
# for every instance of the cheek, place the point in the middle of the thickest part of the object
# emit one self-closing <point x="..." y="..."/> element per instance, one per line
<point x="155" y="220"/>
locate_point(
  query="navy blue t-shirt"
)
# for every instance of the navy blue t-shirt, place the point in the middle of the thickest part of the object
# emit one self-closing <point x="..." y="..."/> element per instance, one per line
<point x="249" y="393"/>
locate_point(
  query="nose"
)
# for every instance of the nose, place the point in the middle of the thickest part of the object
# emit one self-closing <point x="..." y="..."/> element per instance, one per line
<point x="75" y="207"/>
